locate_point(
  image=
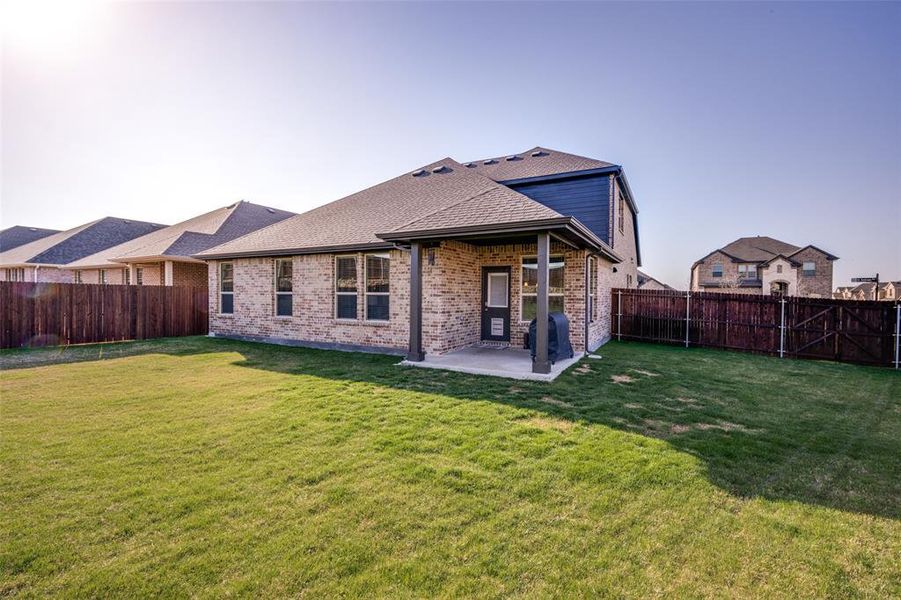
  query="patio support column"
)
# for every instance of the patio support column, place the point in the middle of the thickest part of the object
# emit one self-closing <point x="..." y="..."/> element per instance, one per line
<point x="132" y="274"/>
<point x="167" y="273"/>
<point x="415" y="353"/>
<point x="541" y="364"/>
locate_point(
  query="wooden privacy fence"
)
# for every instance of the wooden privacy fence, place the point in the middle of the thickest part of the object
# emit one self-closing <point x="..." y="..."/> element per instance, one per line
<point x="50" y="314"/>
<point x="865" y="332"/>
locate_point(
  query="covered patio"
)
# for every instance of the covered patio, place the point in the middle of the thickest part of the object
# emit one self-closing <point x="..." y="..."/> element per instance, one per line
<point x="514" y="363"/>
<point x="495" y="346"/>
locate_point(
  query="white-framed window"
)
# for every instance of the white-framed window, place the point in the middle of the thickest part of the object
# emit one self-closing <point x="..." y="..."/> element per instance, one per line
<point x="15" y="274"/>
<point x="592" y="289"/>
<point x="284" y="287"/>
<point x="377" y="267"/>
<point x="139" y="275"/>
<point x="78" y="278"/>
<point x="345" y="287"/>
<point x="809" y="269"/>
<point x="226" y="288"/>
<point x="529" y="291"/>
<point x="718" y="270"/>
<point x="498" y="290"/>
<point x="103" y="276"/>
<point x="126" y="275"/>
<point x="622" y="213"/>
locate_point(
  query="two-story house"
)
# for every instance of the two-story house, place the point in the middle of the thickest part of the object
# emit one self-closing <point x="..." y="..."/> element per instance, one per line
<point x="763" y="265"/>
<point x="442" y="257"/>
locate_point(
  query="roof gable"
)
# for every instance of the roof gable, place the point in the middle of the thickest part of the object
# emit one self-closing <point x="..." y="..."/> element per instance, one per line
<point x="180" y="240"/>
<point x="19" y="235"/>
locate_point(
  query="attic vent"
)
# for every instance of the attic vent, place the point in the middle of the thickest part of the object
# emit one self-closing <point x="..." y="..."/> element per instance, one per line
<point x="490" y="161"/>
<point x="271" y="211"/>
<point x="513" y="157"/>
<point x="419" y="172"/>
<point x="470" y="165"/>
<point x="126" y="222"/>
<point x="538" y="153"/>
<point x="440" y="169"/>
<point x="32" y="229"/>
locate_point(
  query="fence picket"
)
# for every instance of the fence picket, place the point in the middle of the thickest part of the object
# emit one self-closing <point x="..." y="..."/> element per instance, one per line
<point x="823" y="328"/>
<point x="43" y="314"/>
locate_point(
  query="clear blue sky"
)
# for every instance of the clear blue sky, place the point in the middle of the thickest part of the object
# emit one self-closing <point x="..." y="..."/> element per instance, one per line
<point x="730" y="119"/>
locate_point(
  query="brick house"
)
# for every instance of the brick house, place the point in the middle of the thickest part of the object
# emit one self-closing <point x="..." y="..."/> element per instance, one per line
<point x="165" y="256"/>
<point x="889" y="291"/>
<point x="646" y="282"/>
<point x="19" y="235"/>
<point x="438" y="259"/>
<point x="763" y="265"/>
<point x="47" y="258"/>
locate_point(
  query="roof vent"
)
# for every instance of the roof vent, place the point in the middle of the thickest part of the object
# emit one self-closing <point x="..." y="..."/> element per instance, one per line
<point x="230" y="206"/>
<point x="126" y="222"/>
<point x="490" y="161"/>
<point x="470" y="165"/>
<point x="512" y="157"/>
<point x="419" y="172"/>
<point x="32" y="229"/>
<point x="440" y="169"/>
<point x="271" y="211"/>
<point x="538" y="153"/>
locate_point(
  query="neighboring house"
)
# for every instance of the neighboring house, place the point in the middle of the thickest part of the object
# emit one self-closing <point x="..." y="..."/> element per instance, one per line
<point x="646" y="282"/>
<point x="763" y="265"/>
<point x="19" y="235"/>
<point x="437" y="259"/>
<point x="47" y="259"/>
<point x="888" y="290"/>
<point x="164" y="257"/>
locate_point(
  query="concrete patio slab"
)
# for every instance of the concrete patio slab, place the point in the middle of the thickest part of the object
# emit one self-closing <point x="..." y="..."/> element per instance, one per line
<point x="513" y="363"/>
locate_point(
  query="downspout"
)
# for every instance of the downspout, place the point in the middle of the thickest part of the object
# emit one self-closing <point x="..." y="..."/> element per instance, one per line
<point x="36" y="267"/>
<point x="587" y="298"/>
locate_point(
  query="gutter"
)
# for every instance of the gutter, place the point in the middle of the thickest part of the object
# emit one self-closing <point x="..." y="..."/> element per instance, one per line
<point x="336" y="249"/>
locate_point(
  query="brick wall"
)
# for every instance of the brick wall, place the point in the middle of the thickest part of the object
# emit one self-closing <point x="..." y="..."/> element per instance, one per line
<point x="451" y="298"/>
<point x="190" y="274"/>
<point x="624" y="243"/>
<point x="819" y="285"/>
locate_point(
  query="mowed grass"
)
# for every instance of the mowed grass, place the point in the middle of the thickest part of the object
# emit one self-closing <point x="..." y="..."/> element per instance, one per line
<point x="202" y="467"/>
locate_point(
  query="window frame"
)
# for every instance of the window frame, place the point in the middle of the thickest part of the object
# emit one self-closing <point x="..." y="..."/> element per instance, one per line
<point x="717" y="273"/>
<point x="275" y="289"/>
<point x="355" y="293"/>
<point x="231" y="293"/>
<point x="809" y="272"/>
<point x="367" y="293"/>
<point x="622" y="213"/>
<point x="78" y="277"/>
<point x="506" y="277"/>
<point x="139" y="275"/>
<point x="101" y="277"/>
<point x="126" y="276"/>
<point x="523" y="295"/>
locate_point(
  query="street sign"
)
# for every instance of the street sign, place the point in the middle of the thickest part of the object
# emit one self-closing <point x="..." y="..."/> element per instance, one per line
<point x="864" y="279"/>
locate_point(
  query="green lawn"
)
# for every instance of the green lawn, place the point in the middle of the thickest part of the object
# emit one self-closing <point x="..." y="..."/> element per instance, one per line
<point x="201" y="467"/>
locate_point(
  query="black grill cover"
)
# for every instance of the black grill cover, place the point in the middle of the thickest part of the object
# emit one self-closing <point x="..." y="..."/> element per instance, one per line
<point x="558" y="345"/>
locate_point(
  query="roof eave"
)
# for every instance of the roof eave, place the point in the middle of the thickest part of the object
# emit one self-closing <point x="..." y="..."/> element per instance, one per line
<point x="333" y="249"/>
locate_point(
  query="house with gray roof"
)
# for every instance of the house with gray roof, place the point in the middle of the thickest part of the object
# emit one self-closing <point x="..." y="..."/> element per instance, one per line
<point x="166" y="256"/>
<point x="447" y="256"/>
<point x="646" y="282"/>
<point x="46" y="259"/>
<point x="19" y="235"/>
<point x="764" y="265"/>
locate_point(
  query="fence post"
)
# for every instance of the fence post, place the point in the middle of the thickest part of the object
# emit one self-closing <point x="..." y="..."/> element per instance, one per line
<point x="897" y="333"/>
<point x="782" y="329"/>
<point x="687" y="315"/>
<point x="619" y="316"/>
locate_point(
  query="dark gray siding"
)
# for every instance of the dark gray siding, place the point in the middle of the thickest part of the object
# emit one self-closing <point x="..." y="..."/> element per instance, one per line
<point x="585" y="198"/>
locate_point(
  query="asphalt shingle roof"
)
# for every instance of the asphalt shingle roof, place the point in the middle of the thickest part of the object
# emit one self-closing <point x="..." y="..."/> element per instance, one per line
<point x="758" y="248"/>
<point x="68" y="246"/>
<point x="182" y="240"/>
<point x="19" y="235"/>
<point x="439" y="195"/>
<point x="537" y="162"/>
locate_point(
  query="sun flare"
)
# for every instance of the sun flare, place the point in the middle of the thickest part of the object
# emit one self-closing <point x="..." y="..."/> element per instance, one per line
<point x="52" y="27"/>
